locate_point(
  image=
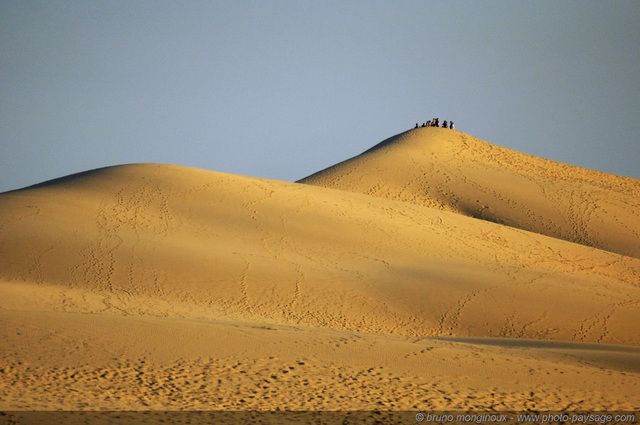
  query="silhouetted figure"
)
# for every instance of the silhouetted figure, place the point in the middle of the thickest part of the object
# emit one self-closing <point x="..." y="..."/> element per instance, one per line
<point x="437" y="122"/>
<point x="451" y="125"/>
<point x="444" y="124"/>
<point x="416" y="125"/>
<point x="429" y="123"/>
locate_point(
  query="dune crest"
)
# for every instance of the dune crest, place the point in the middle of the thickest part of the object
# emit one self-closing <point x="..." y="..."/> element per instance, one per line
<point x="452" y="171"/>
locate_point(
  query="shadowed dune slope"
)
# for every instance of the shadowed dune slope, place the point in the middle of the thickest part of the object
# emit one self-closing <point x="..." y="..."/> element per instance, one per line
<point x="166" y="241"/>
<point x="452" y="171"/>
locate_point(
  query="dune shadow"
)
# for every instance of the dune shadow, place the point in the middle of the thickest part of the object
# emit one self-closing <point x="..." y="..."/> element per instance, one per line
<point x="542" y="344"/>
<point x="603" y="356"/>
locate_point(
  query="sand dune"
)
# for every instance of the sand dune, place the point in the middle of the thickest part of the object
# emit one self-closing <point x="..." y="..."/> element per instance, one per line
<point x="453" y="171"/>
<point x="176" y="242"/>
<point x="152" y="286"/>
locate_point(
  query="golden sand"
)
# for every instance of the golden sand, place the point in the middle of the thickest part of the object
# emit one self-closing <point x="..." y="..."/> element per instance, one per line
<point x="433" y="272"/>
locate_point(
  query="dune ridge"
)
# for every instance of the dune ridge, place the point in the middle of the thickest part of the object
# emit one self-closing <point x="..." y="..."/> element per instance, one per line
<point x="153" y="286"/>
<point x="452" y="171"/>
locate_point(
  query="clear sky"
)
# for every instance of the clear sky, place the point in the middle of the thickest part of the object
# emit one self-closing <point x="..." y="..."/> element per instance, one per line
<point x="281" y="89"/>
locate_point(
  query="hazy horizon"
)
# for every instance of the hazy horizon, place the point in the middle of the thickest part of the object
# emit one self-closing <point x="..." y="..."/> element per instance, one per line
<point x="281" y="90"/>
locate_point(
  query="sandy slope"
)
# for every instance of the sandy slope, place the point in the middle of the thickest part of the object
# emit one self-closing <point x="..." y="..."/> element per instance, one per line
<point x="112" y="362"/>
<point x="176" y="242"/>
<point x="164" y="287"/>
<point x="453" y="171"/>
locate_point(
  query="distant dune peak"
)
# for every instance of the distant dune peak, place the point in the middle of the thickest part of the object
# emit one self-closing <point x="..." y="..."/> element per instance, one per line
<point x="453" y="171"/>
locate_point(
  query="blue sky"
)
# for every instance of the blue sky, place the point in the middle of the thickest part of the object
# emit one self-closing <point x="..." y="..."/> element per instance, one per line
<point x="281" y="89"/>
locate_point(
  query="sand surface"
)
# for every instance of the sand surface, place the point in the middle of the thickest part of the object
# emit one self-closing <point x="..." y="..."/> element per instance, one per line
<point x="435" y="271"/>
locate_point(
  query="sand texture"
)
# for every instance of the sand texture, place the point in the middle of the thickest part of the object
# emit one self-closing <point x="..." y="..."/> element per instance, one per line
<point x="434" y="271"/>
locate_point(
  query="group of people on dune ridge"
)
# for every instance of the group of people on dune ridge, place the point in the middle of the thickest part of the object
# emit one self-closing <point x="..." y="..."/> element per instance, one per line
<point x="436" y="123"/>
